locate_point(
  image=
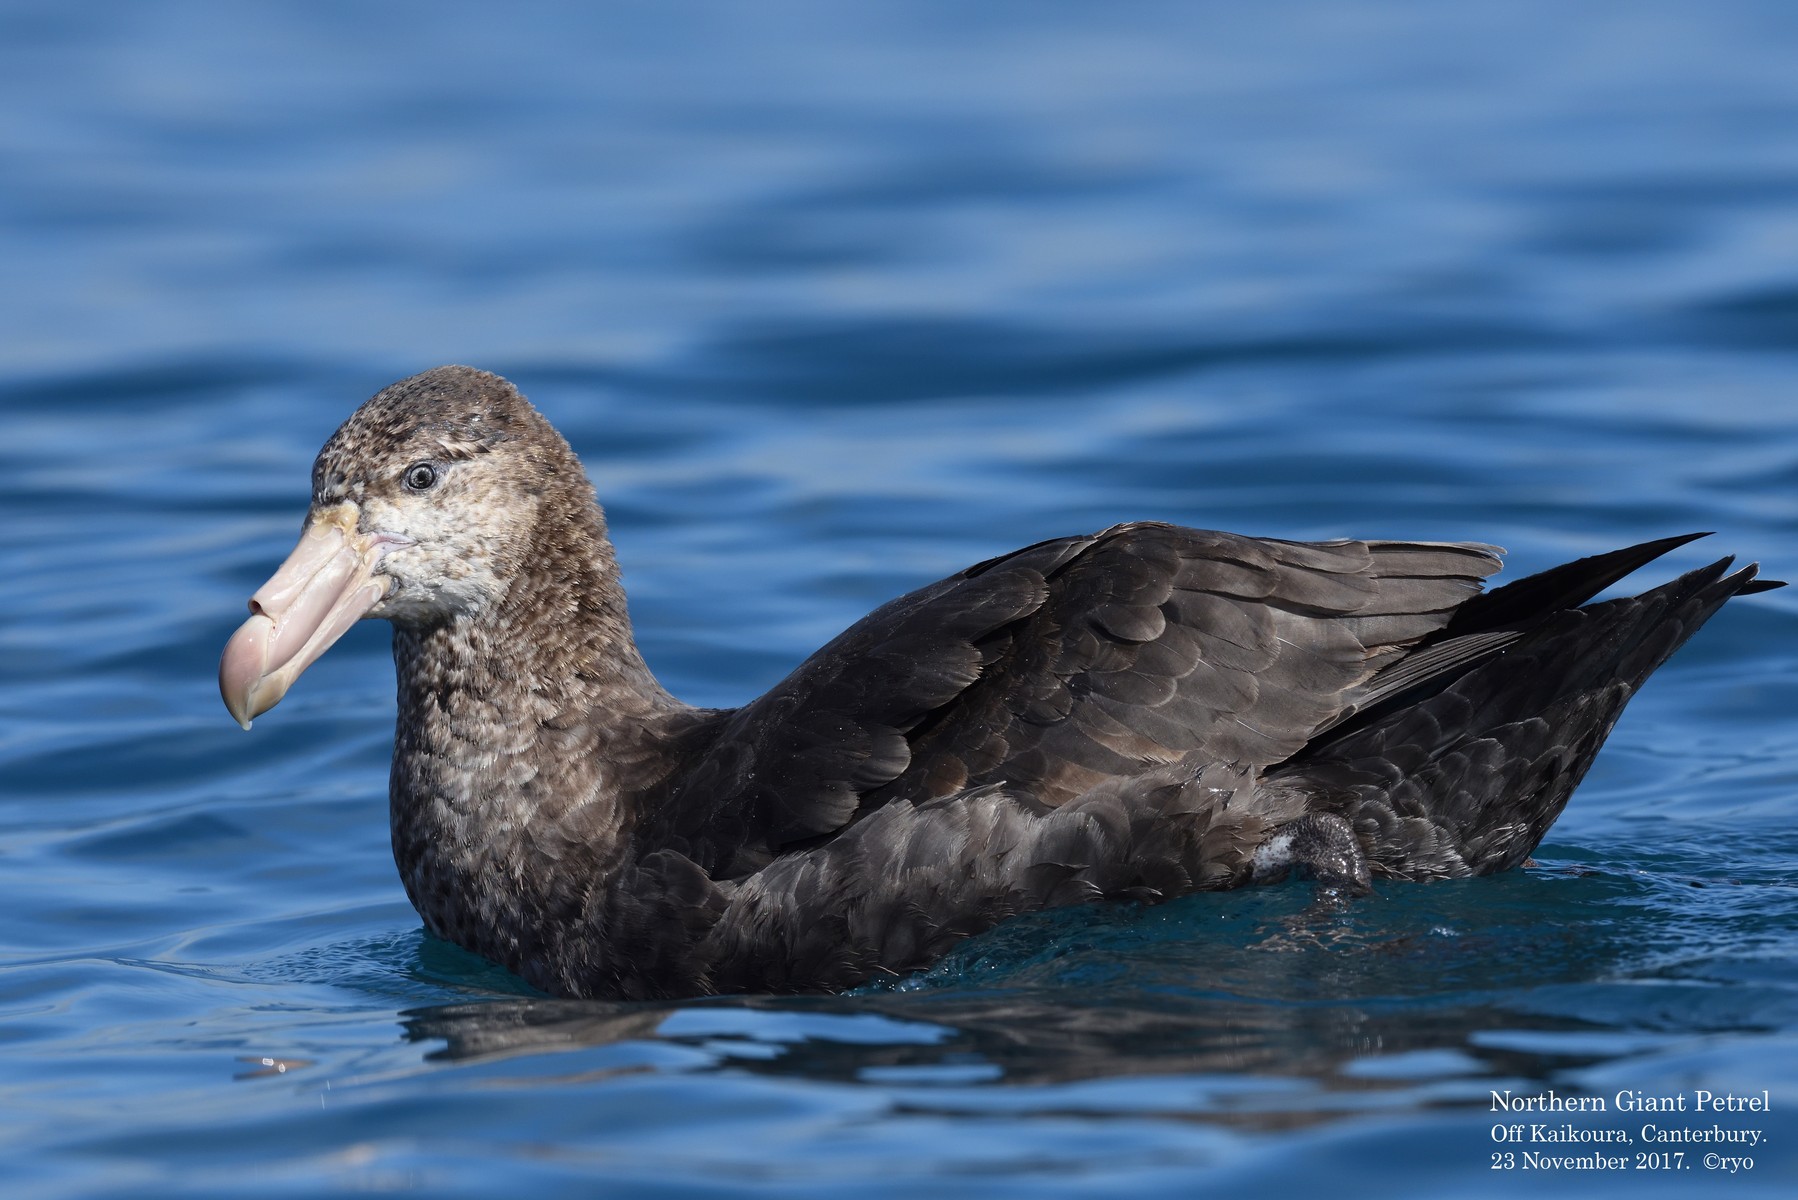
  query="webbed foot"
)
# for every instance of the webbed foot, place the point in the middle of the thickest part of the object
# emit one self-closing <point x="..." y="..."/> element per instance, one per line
<point x="1322" y="846"/>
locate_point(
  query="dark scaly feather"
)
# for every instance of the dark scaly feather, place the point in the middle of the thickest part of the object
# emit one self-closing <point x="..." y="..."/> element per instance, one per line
<point x="1467" y="781"/>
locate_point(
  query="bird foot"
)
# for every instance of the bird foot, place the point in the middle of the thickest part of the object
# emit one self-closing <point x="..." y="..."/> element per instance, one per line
<point x="1321" y="846"/>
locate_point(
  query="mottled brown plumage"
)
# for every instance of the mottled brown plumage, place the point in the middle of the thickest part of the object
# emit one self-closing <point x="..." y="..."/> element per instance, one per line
<point x="1133" y="714"/>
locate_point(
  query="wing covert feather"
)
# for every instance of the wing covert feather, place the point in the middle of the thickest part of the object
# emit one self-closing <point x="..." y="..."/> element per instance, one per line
<point x="1072" y="662"/>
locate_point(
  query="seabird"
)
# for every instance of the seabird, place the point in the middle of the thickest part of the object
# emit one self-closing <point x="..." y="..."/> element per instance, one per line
<point x="1134" y="714"/>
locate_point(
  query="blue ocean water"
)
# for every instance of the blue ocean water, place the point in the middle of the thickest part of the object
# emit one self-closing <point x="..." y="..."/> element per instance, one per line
<point x="833" y="300"/>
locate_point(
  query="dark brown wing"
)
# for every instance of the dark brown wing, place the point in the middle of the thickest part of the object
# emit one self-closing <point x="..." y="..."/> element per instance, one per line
<point x="796" y="762"/>
<point x="1467" y="780"/>
<point x="1158" y="643"/>
<point x="1072" y="662"/>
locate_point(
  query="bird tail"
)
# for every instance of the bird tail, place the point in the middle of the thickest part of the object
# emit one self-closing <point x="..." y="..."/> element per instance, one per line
<point x="1463" y="773"/>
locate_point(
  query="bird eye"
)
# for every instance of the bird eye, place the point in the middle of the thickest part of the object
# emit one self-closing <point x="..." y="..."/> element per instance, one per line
<point x="420" y="477"/>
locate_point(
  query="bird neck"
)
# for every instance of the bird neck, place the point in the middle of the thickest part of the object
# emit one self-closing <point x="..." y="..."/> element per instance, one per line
<point x="524" y="733"/>
<point x="554" y="650"/>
